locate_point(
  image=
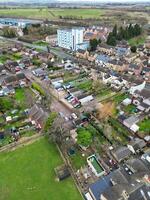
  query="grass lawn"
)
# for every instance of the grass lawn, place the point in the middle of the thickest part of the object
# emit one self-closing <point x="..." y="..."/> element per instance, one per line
<point x="23" y="97"/>
<point x="4" y="58"/>
<point x="78" y="160"/>
<point x="52" y="13"/>
<point x="103" y="92"/>
<point x="85" y="85"/>
<point x="41" y="43"/>
<point x="120" y="132"/>
<point x="20" y="95"/>
<point x="6" y="103"/>
<point x="16" y="56"/>
<point x="145" y="126"/>
<point x="28" y="173"/>
<point x="130" y="108"/>
<point x="119" y="98"/>
<point x="137" y="41"/>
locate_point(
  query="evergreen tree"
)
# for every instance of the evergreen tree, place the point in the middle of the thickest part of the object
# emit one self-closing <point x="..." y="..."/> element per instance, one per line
<point x="111" y="40"/>
<point x="123" y="33"/>
<point x="93" y="44"/>
<point x="114" y="32"/>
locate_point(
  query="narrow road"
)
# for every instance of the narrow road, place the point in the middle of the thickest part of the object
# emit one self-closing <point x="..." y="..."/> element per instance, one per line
<point x="56" y="105"/>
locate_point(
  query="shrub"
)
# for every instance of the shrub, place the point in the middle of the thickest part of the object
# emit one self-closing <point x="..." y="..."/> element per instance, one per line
<point x="38" y="88"/>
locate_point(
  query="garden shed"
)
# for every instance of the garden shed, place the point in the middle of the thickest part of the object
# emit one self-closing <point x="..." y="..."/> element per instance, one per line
<point x="62" y="172"/>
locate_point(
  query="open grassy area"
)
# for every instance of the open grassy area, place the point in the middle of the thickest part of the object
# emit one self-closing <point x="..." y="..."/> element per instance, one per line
<point x="52" y="13"/>
<point x="130" y="108"/>
<point x="78" y="160"/>
<point x="85" y="85"/>
<point x="28" y="173"/>
<point x="119" y="98"/>
<point x="137" y="41"/>
<point x="145" y="126"/>
<point x="23" y="97"/>
<point x="20" y="95"/>
<point x="120" y="132"/>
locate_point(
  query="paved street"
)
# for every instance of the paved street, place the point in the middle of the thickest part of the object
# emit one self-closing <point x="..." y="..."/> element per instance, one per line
<point x="55" y="104"/>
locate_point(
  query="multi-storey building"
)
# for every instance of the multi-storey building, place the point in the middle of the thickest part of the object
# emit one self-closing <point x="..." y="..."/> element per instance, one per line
<point x="69" y="38"/>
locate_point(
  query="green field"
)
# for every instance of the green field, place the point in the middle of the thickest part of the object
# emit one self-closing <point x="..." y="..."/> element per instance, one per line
<point x="28" y="174"/>
<point x="51" y="13"/>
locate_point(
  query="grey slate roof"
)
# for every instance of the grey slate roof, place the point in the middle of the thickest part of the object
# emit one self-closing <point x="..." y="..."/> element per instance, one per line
<point x="121" y="153"/>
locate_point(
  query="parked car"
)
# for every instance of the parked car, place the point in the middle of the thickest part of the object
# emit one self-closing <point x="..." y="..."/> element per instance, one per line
<point x="74" y="116"/>
<point x="78" y="105"/>
<point x="17" y="69"/>
<point x="71" y="99"/>
<point x="67" y="96"/>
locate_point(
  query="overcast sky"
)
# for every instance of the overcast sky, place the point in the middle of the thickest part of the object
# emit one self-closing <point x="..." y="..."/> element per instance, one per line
<point x="107" y="0"/>
<point x="90" y="1"/>
<point x="80" y="0"/>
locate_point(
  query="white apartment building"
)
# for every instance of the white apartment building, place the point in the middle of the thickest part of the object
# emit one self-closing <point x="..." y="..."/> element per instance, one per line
<point x="69" y="38"/>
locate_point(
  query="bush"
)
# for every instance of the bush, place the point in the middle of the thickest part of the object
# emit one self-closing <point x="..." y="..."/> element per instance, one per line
<point x="38" y="88"/>
<point x="84" y="137"/>
<point x="50" y="120"/>
<point x="133" y="49"/>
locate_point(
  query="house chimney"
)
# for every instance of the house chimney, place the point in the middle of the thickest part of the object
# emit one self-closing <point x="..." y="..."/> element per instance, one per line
<point x="113" y="182"/>
<point x="125" y="195"/>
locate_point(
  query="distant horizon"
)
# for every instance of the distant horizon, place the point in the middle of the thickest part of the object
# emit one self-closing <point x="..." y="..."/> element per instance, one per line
<point x="76" y="1"/>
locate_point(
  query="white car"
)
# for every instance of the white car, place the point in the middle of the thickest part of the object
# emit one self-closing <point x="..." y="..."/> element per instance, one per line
<point x="74" y="116"/>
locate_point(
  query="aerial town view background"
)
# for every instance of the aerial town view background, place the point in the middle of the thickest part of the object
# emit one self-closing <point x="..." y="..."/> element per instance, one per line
<point x="74" y="100"/>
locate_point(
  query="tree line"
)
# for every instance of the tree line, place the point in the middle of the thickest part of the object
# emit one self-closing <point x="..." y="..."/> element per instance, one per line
<point x="125" y="33"/>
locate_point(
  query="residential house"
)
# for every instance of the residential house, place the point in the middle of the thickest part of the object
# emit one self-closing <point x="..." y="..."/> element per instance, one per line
<point x="130" y="123"/>
<point x="96" y="33"/>
<point x="108" y="78"/>
<point x="105" y="49"/>
<point x="39" y="72"/>
<point x="26" y="62"/>
<point x="122" y="50"/>
<point x="102" y="58"/>
<point x="11" y="65"/>
<point x="146" y="73"/>
<point x="118" y="65"/>
<point x="83" y="54"/>
<point x="15" y="80"/>
<point x="37" y="116"/>
<point x="144" y="105"/>
<point x="129" y="182"/>
<point x="56" y="80"/>
<point x="121" y="153"/>
<point x="118" y="83"/>
<point x="69" y="65"/>
<point x="45" y="57"/>
<point x="2" y="70"/>
<point x="136" y="145"/>
<point x="135" y="69"/>
<point x="84" y="98"/>
<point x="136" y="88"/>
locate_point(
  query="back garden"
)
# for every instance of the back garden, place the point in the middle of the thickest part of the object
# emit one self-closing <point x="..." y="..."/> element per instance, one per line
<point x="14" y="116"/>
